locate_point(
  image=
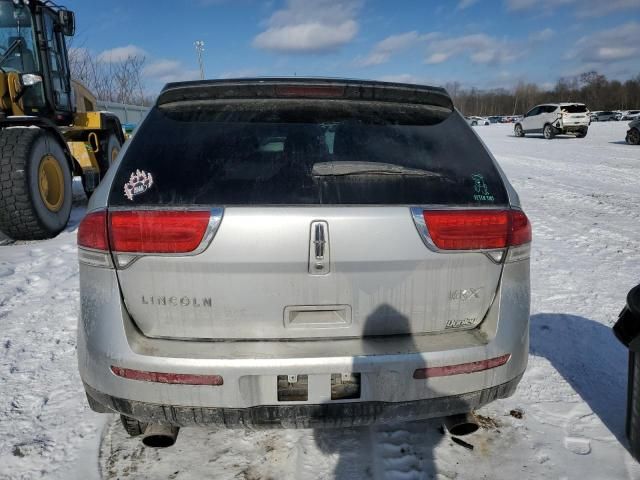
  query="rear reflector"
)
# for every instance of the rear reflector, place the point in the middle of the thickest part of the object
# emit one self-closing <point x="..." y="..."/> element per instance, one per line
<point x="174" y="378"/>
<point x="161" y="231"/>
<point x="477" y="229"/>
<point x="92" y="232"/>
<point x="461" y="368"/>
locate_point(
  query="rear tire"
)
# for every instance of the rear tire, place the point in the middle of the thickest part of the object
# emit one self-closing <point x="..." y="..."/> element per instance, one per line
<point x="132" y="426"/>
<point x="110" y="149"/>
<point x="35" y="184"/>
<point x="109" y="154"/>
<point x="548" y="132"/>
<point x="633" y="405"/>
<point x="633" y="137"/>
<point x="518" y="131"/>
<point x="474" y="124"/>
<point x="582" y="133"/>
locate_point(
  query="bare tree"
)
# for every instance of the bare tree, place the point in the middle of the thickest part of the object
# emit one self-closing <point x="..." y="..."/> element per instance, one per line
<point x="110" y="80"/>
<point x="591" y="88"/>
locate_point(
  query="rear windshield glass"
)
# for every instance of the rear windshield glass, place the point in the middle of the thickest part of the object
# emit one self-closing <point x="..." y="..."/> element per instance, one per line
<point x="305" y="152"/>
<point x="574" y="108"/>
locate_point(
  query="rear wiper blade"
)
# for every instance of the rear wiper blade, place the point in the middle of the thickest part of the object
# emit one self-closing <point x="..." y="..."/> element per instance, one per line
<point x="335" y="169"/>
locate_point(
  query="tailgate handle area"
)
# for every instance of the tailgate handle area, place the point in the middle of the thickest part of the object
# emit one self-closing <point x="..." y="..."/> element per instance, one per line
<point x="317" y="316"/>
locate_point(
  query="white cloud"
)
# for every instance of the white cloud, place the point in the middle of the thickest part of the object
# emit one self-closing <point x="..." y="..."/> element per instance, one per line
<point x="167" y="70"/>
<point x="310" y="26"/>
<point x="410" y="78"/>
<point x="241" y="73"/>
<point x="464" y="4"/>
<point x="438" y="57"/>
<point x="382" y="51"/>
<point x="479" y="47"/>
<point x="608" y="46"/>
<point x="401" y="78"/>
<point x="582" y="8"/>
<point x="542" y="35"/>
<point x="612" y="54"/>
<point x="120" y="54"/>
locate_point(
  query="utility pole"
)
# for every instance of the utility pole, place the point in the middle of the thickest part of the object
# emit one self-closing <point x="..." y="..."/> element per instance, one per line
<point x="199" y="44"/>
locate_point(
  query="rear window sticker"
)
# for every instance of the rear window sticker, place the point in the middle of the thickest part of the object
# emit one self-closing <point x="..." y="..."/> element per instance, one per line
<point x="481" y="189"/>
<point x="139" y="182"/>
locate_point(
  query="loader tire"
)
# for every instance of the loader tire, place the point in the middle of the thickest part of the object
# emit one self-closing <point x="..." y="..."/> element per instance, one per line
<point x="35" y="184"/>
<point x="109" y="154"/>
<point x="110" y="149"/>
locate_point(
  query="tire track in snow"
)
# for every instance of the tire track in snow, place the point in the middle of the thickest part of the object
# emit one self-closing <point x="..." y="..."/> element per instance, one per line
<point x="394" y="456"/>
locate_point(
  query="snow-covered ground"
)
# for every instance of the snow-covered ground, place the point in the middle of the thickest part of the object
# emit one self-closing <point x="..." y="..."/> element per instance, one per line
<point x="583" y="197"/>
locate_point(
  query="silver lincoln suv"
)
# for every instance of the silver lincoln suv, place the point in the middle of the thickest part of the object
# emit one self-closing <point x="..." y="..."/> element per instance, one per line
<point x="301" y="253"/>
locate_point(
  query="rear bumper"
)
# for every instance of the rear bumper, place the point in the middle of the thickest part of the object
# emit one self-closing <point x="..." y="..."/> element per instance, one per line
<point x="249" y="395"/>
<point x="571" y="127"/>
<point x="305" y="415"/>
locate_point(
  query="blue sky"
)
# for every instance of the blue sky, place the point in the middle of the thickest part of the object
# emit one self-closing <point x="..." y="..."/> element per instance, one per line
<point x="481" y="43"/>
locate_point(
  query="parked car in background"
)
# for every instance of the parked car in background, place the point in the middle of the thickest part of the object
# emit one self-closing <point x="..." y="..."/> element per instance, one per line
<point x="495" y="119"/>
<point x="553" y="119"/>
<point x="633" y="134"/>
<point x="604" y="116"/>
<point x="309" y="262"/>
<point x="630" y="115"/>
<point x="474" y="121"/>
<point x="511" y="118"/>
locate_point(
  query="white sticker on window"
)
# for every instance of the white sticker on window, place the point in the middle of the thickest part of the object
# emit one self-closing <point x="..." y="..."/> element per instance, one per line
<point x="481" y="189"/>
<point x="139" y="182"/>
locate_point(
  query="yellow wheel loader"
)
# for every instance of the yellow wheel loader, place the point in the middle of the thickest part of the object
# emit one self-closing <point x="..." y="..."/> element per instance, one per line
<point x="49" y="129"/>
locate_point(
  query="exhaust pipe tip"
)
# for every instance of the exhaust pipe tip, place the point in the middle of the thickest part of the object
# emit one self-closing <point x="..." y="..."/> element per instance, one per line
<point x="160" y="436"/>
<point x="461" y="424"/>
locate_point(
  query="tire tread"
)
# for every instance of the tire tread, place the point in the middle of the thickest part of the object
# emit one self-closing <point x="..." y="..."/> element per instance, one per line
<point x="18" y="217"/>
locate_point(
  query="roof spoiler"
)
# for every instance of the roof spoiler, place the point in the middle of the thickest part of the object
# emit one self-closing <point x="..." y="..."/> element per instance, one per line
<point x="264" y="88"/>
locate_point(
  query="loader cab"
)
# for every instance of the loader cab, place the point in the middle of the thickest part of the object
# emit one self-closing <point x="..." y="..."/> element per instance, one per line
<point x="34" y="61"/>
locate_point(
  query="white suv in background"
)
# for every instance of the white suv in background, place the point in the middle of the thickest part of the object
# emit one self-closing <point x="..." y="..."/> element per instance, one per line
<point x="555" y="119"/>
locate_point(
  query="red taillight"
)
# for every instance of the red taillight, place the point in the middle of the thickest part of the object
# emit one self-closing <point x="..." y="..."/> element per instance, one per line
<point x="477" y="229"/>
<point x="520" y="228"/>
<point x="174" y="378"/>
<point x="92" y="232"/>
<point x="461" y="368"/>
<point x="150" y="231"/>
